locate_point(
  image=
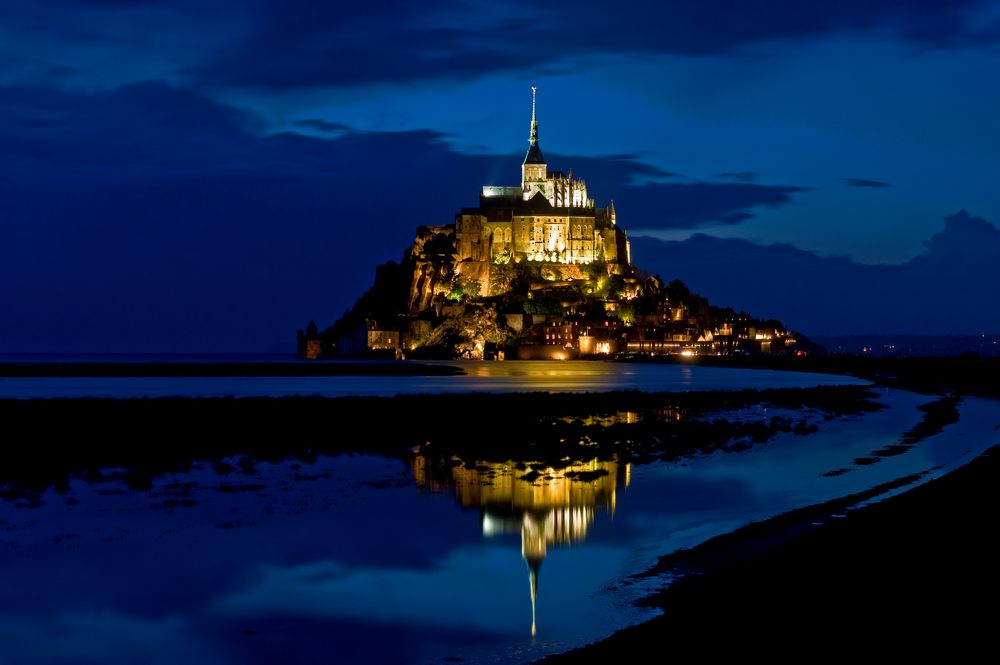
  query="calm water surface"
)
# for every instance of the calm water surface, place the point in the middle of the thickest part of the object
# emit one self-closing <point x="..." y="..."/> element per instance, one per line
<point x="481" y="376"/>
<point x="369" y="559"/>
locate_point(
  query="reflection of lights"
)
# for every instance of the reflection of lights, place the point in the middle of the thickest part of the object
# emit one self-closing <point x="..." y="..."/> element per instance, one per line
<point x="492" y="526"/>
<point x="548" y="506"/>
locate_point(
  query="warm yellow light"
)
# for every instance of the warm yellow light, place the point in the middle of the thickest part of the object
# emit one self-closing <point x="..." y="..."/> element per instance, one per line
<point x="687" y="352"/>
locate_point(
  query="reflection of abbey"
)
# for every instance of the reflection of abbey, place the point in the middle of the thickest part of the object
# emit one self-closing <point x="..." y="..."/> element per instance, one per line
<point x="549" y="507"/>
<point x="548" y="218"/>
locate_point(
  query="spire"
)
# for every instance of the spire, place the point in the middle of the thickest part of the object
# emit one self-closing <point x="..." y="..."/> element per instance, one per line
<point x="533" y="138"/>
<point x="534" y="155"/>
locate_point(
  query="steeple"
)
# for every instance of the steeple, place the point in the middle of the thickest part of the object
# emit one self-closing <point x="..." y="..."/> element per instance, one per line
<point x="533" y="137"/>
<point x="534" y="155"/>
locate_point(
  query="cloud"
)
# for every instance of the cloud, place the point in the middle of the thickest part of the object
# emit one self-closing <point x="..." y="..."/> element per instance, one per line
<point x="697" y="204"/>
<point x="742" y="176"/>
<point x="326" y="589"/>
<point x="948" y="289"/>
<point x="323" y="47"/>
<point x="862" y="182"/>
<point x="323" y="125"/>
<point x="279" y="638"/>
<point x="150" y="218"/>
<point x="102" y="636"/>
<point x="266" y="44"/>
<point x="492" y="607"/>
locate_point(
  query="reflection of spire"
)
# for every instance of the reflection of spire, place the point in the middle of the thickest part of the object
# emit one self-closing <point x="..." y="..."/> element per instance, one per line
<point x="548" y="506"/>
<point x="533" y="549"/>
<point x="534" y="564"/>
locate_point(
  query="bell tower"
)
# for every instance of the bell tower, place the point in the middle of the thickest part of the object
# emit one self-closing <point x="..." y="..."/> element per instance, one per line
<point x="533" y="170"/>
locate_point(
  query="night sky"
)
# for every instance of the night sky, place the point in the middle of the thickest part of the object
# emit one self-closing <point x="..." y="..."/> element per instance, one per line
<point x="190" y="176"/>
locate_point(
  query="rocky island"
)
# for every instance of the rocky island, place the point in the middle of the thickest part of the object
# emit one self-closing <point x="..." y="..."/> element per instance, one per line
<point x="536" y="271"/>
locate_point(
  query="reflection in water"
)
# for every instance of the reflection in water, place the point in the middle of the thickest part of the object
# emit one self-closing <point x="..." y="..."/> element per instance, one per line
<point x="548" y="506"/>
<point x="666" y="413"/>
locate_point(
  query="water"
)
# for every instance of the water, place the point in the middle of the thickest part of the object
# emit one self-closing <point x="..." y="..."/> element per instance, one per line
<point x="361" y="558"/>
<point x="481" y="376"/>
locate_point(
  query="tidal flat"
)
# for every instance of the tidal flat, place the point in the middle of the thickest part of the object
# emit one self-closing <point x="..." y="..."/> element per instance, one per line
<point x="138" y="439"/>
<point x="415" y="528"/>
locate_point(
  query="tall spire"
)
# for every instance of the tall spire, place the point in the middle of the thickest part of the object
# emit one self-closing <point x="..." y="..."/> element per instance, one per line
<point x="534" y="155"/>
<point x="533" y="138"/>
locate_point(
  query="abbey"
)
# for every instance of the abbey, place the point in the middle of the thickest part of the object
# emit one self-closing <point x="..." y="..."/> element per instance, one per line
<point x="549" y="218"/>
<point x="536" y="271"/>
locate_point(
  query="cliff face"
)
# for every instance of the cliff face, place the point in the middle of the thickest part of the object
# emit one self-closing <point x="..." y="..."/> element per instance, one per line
<point x="433" y="260"/>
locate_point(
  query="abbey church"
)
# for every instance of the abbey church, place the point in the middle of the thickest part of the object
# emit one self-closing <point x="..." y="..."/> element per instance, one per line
<point x="549" y="218"/>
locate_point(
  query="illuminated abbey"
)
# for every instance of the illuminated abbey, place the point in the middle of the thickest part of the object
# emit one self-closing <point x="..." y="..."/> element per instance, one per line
<point x="549" y="218"/>
<point x="536" y="271"/>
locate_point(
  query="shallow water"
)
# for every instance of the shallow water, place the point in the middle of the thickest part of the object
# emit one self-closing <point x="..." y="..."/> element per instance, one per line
<point x="481" y="376"/>
<point x="368" y="559"/>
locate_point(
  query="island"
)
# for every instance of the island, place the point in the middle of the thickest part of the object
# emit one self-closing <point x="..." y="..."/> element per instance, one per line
<point x="536" y="271"/>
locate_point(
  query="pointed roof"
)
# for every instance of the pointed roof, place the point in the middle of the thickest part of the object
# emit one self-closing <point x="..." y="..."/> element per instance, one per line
<point x="534" y="155"/>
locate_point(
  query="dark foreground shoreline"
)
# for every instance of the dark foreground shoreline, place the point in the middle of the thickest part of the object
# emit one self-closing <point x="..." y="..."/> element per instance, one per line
<point x="913" y="575"/>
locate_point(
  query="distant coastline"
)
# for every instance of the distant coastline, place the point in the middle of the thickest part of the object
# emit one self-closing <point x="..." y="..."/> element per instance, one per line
<point x="125" y="368"/>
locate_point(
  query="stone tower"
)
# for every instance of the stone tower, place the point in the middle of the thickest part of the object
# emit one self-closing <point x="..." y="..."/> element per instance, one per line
<point x="533" y="169"/>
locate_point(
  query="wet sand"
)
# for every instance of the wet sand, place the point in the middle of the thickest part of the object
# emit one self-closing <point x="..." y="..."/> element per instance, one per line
<point x="141" y="439"/>
<point x="913" y="575"/>
<point x="907" y="575"/>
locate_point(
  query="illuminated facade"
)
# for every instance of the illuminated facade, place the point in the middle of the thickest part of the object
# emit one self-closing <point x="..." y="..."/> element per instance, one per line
<point x="547" y="506"/>
<point x="549" y="218"/>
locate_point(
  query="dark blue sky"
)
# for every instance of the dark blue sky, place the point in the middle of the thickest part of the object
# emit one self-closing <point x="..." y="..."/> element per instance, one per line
<point x="184" y="176"/>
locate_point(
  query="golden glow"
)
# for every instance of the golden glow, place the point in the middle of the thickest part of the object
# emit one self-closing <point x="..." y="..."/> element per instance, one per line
<point x="548" y="506"/>
<point x="617" y="418"/>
